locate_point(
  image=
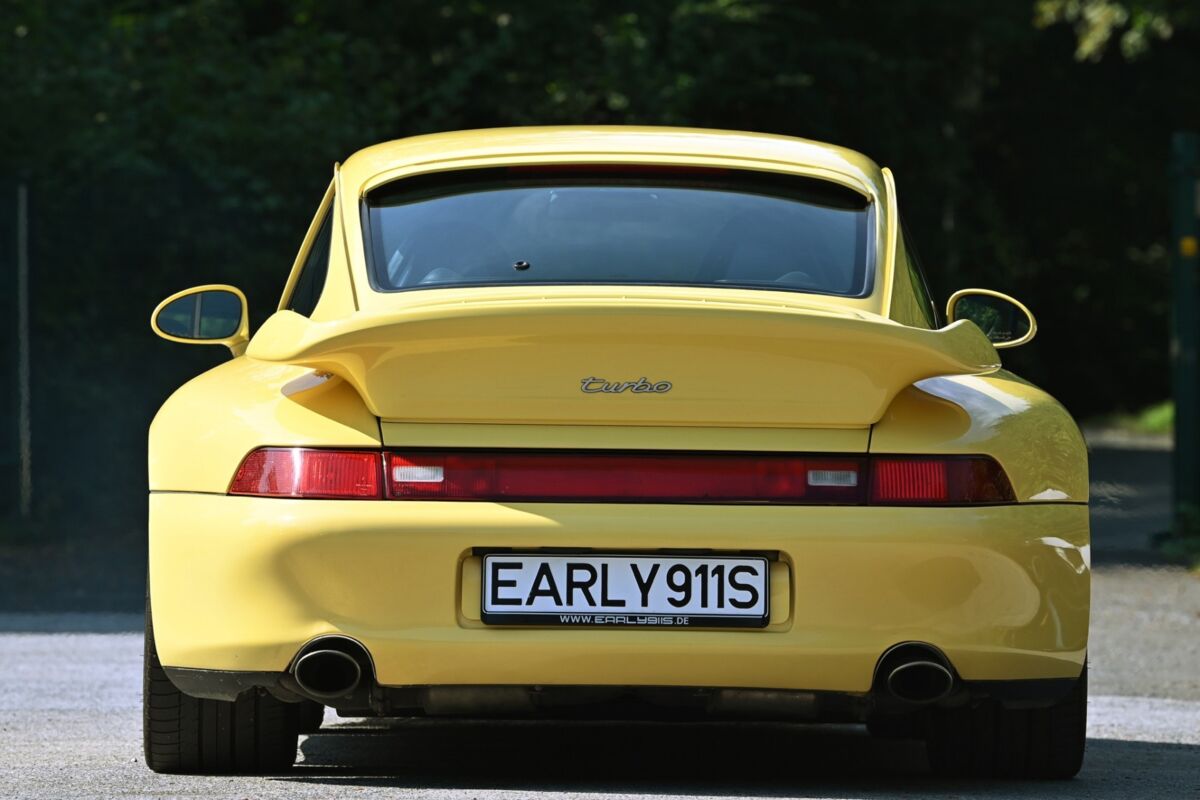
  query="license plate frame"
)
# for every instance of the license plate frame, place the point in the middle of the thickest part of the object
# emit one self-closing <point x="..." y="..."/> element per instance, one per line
<point x="615" y="585"/>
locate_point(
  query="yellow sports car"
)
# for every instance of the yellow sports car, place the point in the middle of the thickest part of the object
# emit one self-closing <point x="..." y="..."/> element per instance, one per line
<point x="561" y="421"/>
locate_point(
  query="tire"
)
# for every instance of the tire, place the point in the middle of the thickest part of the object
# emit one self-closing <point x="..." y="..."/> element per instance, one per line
<point x="311" y="715"/>
<point x="987" y="740"/>
<point x="254" y="734"/>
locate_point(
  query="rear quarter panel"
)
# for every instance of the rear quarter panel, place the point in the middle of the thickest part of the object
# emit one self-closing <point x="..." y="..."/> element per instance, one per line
<point x="205" y="429"/>
<point x="1022" y="427"/>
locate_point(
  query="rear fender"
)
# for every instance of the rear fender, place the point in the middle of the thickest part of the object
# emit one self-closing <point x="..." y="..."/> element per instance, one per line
<point x="1022" y="427"/>
<point x="205" y="429"/>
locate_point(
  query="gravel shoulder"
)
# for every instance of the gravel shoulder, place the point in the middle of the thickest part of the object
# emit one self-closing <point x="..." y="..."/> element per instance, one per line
<point x="1145" y="639"/>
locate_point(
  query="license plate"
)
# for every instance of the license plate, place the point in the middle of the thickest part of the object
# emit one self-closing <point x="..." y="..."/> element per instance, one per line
<point x="614" y="590"/>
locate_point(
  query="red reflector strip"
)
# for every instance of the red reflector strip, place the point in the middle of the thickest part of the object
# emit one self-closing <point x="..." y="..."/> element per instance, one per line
<point x="619" y="478"/>
<point x="909" y="481"/>
<point x="964" y="480"/>
<point x="300" y="472"/>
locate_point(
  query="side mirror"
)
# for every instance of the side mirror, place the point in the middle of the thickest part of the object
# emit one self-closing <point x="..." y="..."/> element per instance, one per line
<point x="1005" y="321"/>
<point x="214" y="314"/>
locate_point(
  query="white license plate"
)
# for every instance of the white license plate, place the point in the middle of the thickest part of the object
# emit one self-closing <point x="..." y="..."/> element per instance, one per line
<point x="614" y="590"/>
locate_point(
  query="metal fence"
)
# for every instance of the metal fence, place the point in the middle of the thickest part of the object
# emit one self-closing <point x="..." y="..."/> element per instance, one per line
<point x="16" y="469"/>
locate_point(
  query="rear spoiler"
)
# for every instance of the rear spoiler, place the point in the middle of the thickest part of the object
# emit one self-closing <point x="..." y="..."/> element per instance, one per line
<point x="526" y="361"/>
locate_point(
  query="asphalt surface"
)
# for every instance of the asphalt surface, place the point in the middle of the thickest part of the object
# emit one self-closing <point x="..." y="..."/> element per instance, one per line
<point x="70" y="716"/>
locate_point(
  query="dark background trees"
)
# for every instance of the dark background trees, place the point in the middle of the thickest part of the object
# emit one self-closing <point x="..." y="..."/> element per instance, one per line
<point x="171" y="143"/>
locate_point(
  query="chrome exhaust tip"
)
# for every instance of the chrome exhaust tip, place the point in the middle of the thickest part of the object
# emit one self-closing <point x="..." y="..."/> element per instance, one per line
<point x="327" y="674"/>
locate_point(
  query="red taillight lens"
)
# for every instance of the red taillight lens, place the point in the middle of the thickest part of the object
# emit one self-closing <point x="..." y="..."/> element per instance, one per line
<point x="624" y="478"/>
<point x="299" y="472"/>
<point x="601" y="477"/>
<point x="938" y="481"/>
<point x="909" y="481"/>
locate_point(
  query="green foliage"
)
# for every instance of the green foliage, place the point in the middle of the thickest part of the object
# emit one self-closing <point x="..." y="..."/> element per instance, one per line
<point x="1184" y="549"/>
<point x="983" y="313"/>
<point x="1097" y="22"/>
<point x="1182" y="544"/>
<point x="173" y="143"/>
<point x="1158" y="418"/>
<point x="1155" y="419"/>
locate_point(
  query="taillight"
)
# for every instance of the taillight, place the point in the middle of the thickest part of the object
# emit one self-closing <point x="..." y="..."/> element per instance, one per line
<point x="614" y="477"/>
<point x="302" y="472"/>
<point x="963" y="480"/>
<point x="624" y="478"/>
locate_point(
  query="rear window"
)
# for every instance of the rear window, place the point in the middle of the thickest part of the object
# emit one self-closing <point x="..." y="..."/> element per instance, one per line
<point x="662" y="226"/>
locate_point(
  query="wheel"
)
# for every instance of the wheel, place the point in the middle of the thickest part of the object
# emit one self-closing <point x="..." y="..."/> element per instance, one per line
<point x="251" y="735"/>
<point x="311" y="715"/>
<point x="987" y="740"/>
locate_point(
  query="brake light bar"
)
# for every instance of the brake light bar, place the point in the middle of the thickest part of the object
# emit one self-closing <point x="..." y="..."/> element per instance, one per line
<point x="621" y="477"/>
<point x="618" y="477"/>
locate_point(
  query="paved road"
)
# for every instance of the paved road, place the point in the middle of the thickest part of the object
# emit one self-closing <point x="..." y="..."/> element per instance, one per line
<point x="74" y="730"/>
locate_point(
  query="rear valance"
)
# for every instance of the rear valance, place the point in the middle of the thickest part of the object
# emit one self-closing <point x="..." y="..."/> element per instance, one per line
<point x="618" y="361"/>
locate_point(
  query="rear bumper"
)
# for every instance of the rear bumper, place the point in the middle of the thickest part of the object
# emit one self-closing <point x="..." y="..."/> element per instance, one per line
<point x="614" y="702"/>
<point x="240" y="584"/>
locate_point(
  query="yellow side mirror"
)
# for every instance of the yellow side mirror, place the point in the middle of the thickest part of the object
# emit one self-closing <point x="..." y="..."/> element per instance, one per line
<point x="1005" y="321"/>
<point x="212" y="314"/>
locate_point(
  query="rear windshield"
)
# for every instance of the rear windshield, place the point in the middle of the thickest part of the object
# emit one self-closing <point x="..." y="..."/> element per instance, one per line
<point x="674" y="227"/>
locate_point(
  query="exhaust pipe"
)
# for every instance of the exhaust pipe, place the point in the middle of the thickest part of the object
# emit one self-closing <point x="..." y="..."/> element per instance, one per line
<point x="914" y="673"/>
<point x="327" y="674"/>
<point x="920" y="681"/>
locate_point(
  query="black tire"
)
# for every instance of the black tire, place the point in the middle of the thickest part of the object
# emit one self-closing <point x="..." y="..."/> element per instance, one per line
<point x="254" y="734"/>
<point x="311" y="715"/>
<point x="987" y="740"/>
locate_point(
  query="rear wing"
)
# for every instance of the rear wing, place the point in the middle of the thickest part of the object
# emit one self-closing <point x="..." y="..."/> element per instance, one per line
<point x="530" y="360"/>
